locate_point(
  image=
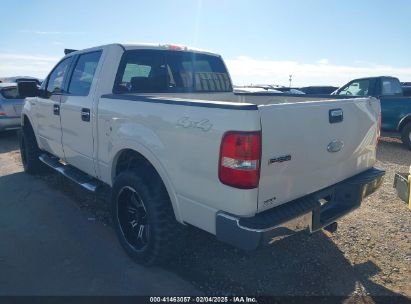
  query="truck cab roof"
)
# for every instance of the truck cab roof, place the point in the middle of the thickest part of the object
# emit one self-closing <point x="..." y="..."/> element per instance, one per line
<point x="151" y="46"/>
<point x="374" y="77"/>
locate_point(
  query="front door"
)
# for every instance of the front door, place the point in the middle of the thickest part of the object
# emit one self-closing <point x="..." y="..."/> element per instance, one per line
<point x="47" y="110"/>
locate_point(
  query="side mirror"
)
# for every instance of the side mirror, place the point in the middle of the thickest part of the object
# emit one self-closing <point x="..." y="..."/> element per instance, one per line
<point x="27" y="89"/>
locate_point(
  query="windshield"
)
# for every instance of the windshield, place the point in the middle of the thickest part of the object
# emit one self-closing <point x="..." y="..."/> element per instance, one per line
<point x="149" y="71"/>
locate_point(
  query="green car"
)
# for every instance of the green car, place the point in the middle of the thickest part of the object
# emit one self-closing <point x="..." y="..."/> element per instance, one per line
<point x="395" y="106"/>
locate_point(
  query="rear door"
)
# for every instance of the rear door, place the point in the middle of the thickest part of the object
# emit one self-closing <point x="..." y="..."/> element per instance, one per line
<point x="393" y="105"/>
<point x="77" y="112"/>
<point x="309" y="146"/>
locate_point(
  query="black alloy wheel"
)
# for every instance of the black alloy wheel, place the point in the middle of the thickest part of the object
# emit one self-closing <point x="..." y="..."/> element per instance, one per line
<point x="132" y="217"/>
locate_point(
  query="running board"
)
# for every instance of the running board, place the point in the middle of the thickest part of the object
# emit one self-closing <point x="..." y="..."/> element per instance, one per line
<point x="72" y="173"/>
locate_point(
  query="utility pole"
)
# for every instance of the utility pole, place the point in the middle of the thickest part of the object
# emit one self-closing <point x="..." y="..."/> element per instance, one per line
<point x="290" y="79"/>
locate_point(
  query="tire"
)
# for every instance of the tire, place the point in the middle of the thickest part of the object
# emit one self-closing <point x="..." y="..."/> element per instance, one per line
<point x="30" y="152"/>
<point x="406" y="135"/>
<point x="144" y="219"/>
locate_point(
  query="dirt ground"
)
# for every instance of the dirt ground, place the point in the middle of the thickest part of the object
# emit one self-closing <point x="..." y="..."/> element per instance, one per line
<point x="370" y="254"/>
<point x="50" y="246"/>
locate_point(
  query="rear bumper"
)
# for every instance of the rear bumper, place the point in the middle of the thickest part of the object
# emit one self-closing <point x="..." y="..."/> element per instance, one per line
<point x="313" y="212"/>
<point x="9" y="122"/>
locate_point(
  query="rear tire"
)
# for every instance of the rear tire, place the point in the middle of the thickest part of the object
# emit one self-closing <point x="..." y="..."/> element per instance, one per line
<point x="143" y="218"/>
<point x="30" y="152"/>
<point x="406" y="135"/>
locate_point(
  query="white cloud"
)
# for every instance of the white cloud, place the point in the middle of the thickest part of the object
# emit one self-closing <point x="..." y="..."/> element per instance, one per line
<point x="26" y="64"/>
<point x="323" y="61"/>
<point x="243" y="70"/>
<point x="246" y="70"/>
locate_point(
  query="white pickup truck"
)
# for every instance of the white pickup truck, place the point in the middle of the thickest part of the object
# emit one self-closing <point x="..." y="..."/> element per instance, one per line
<point x="160" y="126"/>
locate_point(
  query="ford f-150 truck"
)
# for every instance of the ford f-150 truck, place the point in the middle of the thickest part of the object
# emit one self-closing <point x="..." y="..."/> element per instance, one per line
<point x="395" y="107"/>
<point x="160" y="126"/>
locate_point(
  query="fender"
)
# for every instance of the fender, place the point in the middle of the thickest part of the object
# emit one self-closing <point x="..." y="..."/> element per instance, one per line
<point x="136" y="137"/>
<point x="26" y="112"/>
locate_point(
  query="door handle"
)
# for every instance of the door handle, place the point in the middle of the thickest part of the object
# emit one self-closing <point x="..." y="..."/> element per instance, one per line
<point x="335" y="115"/>
<point x="85" y="114"/>
<point x="56" y="109"/>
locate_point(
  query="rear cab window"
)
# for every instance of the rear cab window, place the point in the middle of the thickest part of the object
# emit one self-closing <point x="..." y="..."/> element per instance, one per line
<point x="161" y="71"/>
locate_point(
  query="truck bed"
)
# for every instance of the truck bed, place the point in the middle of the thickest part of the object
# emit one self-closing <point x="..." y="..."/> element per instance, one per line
<point x="302" y="150"/>
<point x="296" y="136"/>
<point x="249" y="98"/>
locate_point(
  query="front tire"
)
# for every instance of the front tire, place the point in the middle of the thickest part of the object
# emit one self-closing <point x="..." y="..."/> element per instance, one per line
<point x="406" y="135"/>
<point x="30" y="152"/>
<point x="143" y="218"/>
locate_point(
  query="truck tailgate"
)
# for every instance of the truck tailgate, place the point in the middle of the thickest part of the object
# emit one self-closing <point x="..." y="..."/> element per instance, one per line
<point x="309" y="146"/>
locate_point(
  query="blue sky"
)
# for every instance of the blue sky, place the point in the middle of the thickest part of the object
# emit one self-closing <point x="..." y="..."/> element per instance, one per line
<point x="318" y="41"/>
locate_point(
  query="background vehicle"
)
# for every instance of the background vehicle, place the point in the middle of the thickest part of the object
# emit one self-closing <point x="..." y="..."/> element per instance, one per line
<point x="318" y="90"/>
<point x="266" y="88"/>
<point x="18" y="79"/>
<point x="160" y="126"/>
<point x="406" y="88"/>
<point x="395" y="106"/>
<point x="10" y="106"/>
<point x="289" y="90"/>
<point x="255" y="90"/>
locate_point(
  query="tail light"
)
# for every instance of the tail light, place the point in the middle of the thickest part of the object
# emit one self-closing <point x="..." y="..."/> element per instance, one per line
<point x="239" y="164"/>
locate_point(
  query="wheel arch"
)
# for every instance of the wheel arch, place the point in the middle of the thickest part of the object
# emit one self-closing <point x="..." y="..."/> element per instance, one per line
<point x="25" y="120"/>
<point x="145" y="158"/>
<point x="405" y="120"/>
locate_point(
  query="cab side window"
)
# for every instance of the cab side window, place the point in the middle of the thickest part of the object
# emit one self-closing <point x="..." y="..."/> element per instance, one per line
<point x="391" y="87"/>
<point x="83" y="74"/>
<point x="56" y="78"/>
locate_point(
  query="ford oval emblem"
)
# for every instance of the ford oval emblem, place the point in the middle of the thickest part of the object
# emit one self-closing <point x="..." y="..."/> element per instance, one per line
<point x="335" y="146"/>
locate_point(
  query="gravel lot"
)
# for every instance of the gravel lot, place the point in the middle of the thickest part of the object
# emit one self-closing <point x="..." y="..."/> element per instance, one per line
<point x="370" y="254"/>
